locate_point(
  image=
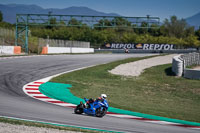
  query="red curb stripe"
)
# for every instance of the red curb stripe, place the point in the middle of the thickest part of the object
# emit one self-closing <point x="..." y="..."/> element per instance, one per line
<point x="41" y="97"/>
<point x="34" y="92"/>
<point x="143" y="119"/>
<point x="187" y="126"/>
<point x="38" y="82"/>
<point x="34" y="85"/>
<point x="112" y="113"/>
<point x="31" y="88"/>
<point x="70" y="106"/>
<point x="56" y="101"/>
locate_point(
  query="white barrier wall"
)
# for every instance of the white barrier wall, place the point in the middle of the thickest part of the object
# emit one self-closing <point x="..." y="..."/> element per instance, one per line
<point x="82" y="50"/>
<point x="177" y="65"/>
<point x="53" y="50"/>
<point x="6" y="49"/>
<point x="59" y="50"/>
<point x="10" y="50"/>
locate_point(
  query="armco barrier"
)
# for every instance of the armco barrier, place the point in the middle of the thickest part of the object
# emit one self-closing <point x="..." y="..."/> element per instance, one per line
<point x="191" y="74"/>
<point x="10" y="50"/>
<point x="60" y="50"/>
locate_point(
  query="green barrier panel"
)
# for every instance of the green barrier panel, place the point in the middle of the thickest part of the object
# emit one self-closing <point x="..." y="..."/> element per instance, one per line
<point x="61" y="92"/>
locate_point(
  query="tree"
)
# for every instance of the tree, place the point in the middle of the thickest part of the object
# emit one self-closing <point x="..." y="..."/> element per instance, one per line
<point x="143" y="28"/>
<point x="74" y="22"/>
<point x="154" y="30"/>
<point x="51" y="22"/>
<point x="119" y="21"/>
<point x="103" y="22"/>
<point x="197" y="33"/>
<point x="192" y="41"/>
<point x="175" y="27"/>
<point x="1" y="16"/>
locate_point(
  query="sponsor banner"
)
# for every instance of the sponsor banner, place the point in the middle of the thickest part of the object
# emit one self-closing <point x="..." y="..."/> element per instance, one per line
<point x="139" y="46"/>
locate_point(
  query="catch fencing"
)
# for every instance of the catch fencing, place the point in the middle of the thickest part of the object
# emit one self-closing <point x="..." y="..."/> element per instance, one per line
<point x="191" y="59"/>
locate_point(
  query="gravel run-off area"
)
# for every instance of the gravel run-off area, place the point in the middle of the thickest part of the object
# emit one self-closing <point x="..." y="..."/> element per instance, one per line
<point x="10" y="128"/>
<point x="197" y="68"/>
<point x="137" y="67"/>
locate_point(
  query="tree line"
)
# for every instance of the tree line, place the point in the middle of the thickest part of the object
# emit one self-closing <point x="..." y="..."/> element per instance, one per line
<point x="171" y="31"/>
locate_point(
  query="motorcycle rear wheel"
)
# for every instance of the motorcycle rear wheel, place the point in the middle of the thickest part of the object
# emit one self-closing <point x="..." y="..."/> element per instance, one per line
<point x="78" y="109"/>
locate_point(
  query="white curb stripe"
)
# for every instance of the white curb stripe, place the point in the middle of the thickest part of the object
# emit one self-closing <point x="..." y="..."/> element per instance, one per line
<point x="197" y="128"/>
<point x="32" y="87"/>
<point x="32" y="95"/>
<point x="123" y="116"/>
<point x="47" y="99"/>
<point x="65" y="104"/>
<point x="33" y="91"/>
<point x="164" y="122"/>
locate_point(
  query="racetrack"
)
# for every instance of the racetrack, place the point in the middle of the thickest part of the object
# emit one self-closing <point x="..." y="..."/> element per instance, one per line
<point x="14" y="73"/>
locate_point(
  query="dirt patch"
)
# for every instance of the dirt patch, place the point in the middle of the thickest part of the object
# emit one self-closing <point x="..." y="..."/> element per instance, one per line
<point x="196" y="68"/>
<point x="137" y="67"/>
<point x="10" y="128"/>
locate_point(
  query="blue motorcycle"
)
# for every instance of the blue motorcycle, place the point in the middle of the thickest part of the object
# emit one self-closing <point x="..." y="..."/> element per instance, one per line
<point x="96" y="108"/>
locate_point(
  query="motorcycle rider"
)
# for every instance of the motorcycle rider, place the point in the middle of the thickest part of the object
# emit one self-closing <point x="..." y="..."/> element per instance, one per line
<point x="101" y="98"/>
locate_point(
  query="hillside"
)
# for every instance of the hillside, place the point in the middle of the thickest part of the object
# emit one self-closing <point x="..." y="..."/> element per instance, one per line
<point x="10" y="11"/>
<point x="194" y="20"/>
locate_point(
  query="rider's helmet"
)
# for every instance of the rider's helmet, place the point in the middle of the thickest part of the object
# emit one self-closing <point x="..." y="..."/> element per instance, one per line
<point x="103" y="96"/>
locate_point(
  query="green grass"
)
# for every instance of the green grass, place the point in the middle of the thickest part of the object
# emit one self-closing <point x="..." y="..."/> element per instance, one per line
<point x="157" y="91"/>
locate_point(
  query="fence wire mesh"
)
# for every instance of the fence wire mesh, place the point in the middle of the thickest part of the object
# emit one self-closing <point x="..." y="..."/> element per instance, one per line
<point x="191" y="59"/>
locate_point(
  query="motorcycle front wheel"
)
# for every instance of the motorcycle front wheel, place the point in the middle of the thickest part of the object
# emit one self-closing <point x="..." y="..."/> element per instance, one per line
<point x="100" y="112"/>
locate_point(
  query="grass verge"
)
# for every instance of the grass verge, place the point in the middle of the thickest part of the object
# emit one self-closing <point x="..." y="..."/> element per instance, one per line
<point x="43" y="125"/>
<point x="156" y="91"/>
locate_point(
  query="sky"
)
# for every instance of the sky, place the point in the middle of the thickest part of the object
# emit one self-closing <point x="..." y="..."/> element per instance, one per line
<point x="132" y="8"/>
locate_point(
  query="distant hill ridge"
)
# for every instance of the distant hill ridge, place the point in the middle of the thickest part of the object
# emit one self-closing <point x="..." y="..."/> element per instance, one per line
<point x="9" y="12"/>
<point x="194" y="20"/>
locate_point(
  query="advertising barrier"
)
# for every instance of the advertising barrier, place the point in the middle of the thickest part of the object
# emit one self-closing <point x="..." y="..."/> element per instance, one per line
<point x="138" y="46"/>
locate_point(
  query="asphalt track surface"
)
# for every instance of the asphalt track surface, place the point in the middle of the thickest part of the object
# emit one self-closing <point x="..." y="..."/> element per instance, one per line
<point x="16" y="72"/>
